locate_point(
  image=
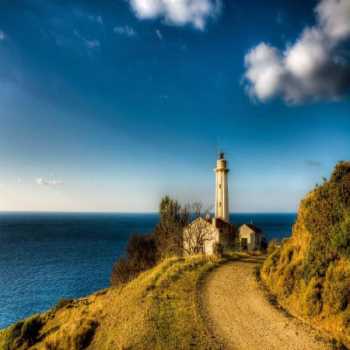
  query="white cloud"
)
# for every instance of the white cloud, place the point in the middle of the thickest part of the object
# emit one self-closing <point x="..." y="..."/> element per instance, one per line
<point x="312" y="68"/>
<point x="334" y="18"/>
<point x="265" y="70"/>
<point x="126" y="30"/>
<point x="159" y="34"/>
<point x="308" y="54"/>
<point x="177" y="12"/>
<point x="48" y="182"/>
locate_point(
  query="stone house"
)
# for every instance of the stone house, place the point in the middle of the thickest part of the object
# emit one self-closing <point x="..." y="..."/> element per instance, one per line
<point x="201" y="236"/>
<point x="250" y="237"/>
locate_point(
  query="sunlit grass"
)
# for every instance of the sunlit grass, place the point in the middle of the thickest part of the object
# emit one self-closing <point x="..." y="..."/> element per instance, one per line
<point x="158" y="310"/>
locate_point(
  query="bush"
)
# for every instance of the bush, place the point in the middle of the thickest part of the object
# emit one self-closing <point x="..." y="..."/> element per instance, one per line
<point x="141" y="255"/>
<point x="122" y="272"/>
<point x="168" y="233"/>
<point x="143" y="252"/>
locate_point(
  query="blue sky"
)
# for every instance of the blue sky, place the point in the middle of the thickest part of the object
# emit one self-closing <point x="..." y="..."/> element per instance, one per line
<point x="108" y="105"/>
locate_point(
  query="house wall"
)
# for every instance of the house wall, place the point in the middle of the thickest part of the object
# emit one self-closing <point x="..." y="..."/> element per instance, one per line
<point x="209" y="245"/>
<point x="253" y="238"/>
<point x="204" y="229"/>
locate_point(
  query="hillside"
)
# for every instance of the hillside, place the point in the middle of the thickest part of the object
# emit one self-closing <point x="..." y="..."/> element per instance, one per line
<point x="310" y="272"/>
<point x="159" y="309"/>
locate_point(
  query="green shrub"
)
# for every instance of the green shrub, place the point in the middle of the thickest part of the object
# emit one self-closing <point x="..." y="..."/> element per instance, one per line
<point x="141" y="255"/>
<point x="121" y="272"/>
<point x="168" y="232"/>
<point x="144" y="251"/>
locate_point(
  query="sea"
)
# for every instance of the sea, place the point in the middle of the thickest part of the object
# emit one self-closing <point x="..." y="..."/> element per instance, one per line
<point x="48" y="256"/>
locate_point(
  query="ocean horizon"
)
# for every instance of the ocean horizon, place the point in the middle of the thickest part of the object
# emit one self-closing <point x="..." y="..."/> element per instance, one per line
<point x="46" y="256"/>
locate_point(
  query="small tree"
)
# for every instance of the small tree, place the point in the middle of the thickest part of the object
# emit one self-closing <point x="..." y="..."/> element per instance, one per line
<point x="168" y="233"/>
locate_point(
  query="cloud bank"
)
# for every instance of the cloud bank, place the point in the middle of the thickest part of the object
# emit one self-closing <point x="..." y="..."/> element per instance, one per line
<point x="315" y="67"/>
<point x="177" y="12"/>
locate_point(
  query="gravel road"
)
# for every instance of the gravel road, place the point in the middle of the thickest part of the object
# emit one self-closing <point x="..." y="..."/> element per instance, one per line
<point x="240" y="315"/>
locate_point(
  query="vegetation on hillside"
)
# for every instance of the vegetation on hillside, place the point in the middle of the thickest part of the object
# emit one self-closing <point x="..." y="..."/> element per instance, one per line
<point x="160" y="309"/>
<point x="310" y="272"/>
<point x="145" y="251"/>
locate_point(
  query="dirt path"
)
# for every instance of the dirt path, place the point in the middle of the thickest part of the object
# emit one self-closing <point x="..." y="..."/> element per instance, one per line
<point x="239" y="313"/>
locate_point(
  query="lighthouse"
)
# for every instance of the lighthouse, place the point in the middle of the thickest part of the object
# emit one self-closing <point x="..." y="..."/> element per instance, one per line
<point x="206" y="235"/>
<point x="221" y="192"/>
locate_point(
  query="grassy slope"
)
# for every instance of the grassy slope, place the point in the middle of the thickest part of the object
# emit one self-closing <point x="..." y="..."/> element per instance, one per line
<point x="158" y="310"/>
<point x="308" y="274"/>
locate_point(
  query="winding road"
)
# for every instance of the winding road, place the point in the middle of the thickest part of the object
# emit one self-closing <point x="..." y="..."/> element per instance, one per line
<point x="239" y="314"/>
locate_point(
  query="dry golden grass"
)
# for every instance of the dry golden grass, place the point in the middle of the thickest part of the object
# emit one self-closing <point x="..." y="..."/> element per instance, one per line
<point x="321" y="298"/>
<point x="157" y="310"/>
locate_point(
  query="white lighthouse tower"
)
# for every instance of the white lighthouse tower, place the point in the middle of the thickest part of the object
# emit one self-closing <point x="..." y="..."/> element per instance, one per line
<point x="221" y="193"/>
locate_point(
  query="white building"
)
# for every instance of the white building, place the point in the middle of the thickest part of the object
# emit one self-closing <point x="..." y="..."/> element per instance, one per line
<point x="250" y="237"/>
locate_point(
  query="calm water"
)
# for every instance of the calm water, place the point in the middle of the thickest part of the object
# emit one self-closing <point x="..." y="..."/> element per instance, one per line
<point x="44" y="257"/>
